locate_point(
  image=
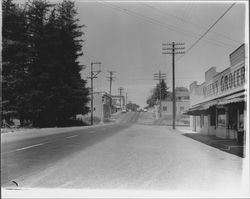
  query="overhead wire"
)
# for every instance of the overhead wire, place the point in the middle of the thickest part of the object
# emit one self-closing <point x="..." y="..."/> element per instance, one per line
<point x="164" y="25"/>
<point x="189" y="22"/>
<point x="203" y="35"/>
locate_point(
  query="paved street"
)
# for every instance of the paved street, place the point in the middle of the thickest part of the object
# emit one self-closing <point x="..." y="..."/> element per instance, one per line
<point x="124" y="155"/>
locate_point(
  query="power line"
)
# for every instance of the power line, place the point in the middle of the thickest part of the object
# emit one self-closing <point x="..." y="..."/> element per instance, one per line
<point x="207" y="30"/>
<point x="164" y="25"/>
<point x="188" y="22"/>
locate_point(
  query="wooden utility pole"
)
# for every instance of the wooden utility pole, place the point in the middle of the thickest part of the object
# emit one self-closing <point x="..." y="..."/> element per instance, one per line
<point x="93" y="75"/>
<point x="160" y="77"/>
<point x="173" y="50"/>
<point x="110" y="78"/>
<point x="126" y="101"/>
<point x="120" y="93"/>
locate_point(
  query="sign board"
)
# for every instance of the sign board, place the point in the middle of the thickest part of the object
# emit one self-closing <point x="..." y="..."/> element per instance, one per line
<point x="226" y="82"/>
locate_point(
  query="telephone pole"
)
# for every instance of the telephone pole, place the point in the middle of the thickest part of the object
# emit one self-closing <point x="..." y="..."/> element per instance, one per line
<point x="159" y="77"/>
<point x="110" y="79"/>
<point x="173" y="49"/>
<point x="93" y="75"/>
<point x="120" y="93"/>
<point x="126" y="101"/>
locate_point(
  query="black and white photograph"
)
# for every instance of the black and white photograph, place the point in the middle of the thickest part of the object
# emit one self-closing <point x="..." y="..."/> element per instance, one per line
<point x="124" y="99"/>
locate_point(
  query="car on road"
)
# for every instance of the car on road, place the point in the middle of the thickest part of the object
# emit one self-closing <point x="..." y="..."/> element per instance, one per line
<point x="124" y="110"/>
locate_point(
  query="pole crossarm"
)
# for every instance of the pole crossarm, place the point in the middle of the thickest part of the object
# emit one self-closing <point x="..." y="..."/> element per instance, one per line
<point x="180" y="52"/>
<point x="180" y="48"/>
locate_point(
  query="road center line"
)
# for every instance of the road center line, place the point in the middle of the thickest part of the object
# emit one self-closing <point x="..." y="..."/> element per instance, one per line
<point x="31" y="146"/>
<point x="71" y="136"/>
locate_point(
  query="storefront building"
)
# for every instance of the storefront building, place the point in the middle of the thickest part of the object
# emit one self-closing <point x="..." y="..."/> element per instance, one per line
<point x="218" y="106"/>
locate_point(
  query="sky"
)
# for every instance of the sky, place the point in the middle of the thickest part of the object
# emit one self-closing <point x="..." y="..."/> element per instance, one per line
<point x="127" y="37"/>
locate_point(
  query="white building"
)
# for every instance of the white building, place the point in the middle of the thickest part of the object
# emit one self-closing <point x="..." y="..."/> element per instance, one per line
<point x="218" y="104"/>
<point x="181" y="107"/>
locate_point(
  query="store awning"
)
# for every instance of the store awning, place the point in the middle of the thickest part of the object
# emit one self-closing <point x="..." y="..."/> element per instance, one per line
<point x="233" y="100"/>
<point x="203" y="108"/>
<point x="196" y="110"/>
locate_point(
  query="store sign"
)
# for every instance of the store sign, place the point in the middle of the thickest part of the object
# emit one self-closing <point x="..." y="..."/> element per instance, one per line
<point x="226" y="82"/>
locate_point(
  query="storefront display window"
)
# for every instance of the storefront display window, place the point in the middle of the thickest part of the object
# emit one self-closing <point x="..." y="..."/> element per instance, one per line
<point x="221" y="117"/>
<point x="241" y="121"/>
<point x="221" y="120"/>
<point x="212" y="116"/>
<point x="202" y="121"/>
<point x="198" y="121"/>
<point x="232" y="117"/>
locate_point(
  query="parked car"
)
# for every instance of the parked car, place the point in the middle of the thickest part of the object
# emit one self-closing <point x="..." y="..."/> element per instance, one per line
<point x="124" y="110"/>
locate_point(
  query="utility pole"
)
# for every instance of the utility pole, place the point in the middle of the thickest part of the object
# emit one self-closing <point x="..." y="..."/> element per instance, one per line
<point x="173" y="49"/>
<point x="120" y="93"/>
<point x="110" y="78"/>
<point x="126" y="100"/>
<point x="93" y="75"/>
<point x="160" y="77"/>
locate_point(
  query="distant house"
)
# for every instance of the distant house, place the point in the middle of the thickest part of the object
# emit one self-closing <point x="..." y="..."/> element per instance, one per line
<point x="181" y="107"/>
<point x="182" y="95"/>
<point x="118" y="102"/>
<point x="182" y="103"/>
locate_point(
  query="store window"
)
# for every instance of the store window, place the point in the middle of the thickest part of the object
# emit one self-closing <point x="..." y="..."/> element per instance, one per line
<point x="202" y="121"/>
<point x="232" y="118"/>
<point x="241" y="120"/>
<point x="212" y="113"/>
<point x="164" y="108"/>
<point x="221" y="118"/>
<point x="197" y="121"/>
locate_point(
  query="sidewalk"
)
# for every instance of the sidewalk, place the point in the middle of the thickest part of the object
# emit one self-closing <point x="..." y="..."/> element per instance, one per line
<point x="227" y="145"/>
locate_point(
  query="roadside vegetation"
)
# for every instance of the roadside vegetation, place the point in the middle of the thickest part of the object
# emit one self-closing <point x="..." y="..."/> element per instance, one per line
<point x="41" y="80"/>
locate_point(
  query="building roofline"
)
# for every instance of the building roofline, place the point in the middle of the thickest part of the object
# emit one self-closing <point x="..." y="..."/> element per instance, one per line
<point x="237" y="49"/>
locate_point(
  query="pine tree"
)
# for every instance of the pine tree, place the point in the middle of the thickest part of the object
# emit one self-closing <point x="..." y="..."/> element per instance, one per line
<point x="161" y="89"/>
<point x="15" y="72"/>
<point x="73" y="90"/>
<point x="40" y="65"/>
<point x="41" y="73"/>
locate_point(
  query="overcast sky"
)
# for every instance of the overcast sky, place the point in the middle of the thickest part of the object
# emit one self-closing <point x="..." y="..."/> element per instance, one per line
<point x="127" y="38"/>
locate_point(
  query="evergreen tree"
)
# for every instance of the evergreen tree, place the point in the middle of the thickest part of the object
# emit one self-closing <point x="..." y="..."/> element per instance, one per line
<point x="161" y="89"/>
<point x="162" y="86"/>
<point x="15" y="61"/>
<point x="73" y="90"/>
<point x="41" y="111"/>
<point x="41" y="72"/>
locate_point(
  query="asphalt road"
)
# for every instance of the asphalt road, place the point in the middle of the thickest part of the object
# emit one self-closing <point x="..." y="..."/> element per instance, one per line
<point x="22" y="156"/>
<point x="121" y="156"/>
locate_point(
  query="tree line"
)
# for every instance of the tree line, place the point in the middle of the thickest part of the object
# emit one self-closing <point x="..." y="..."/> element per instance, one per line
<point x="41" y="81"/>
